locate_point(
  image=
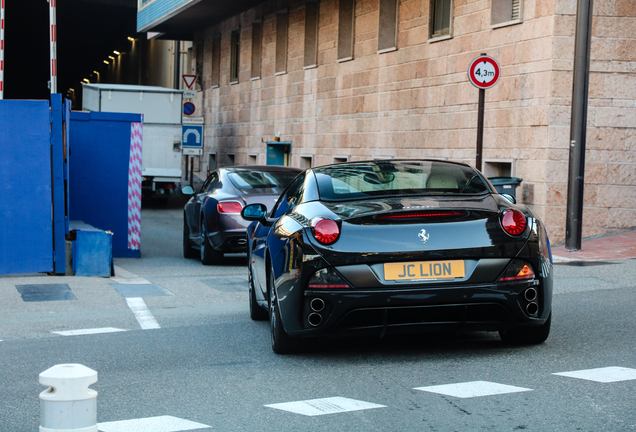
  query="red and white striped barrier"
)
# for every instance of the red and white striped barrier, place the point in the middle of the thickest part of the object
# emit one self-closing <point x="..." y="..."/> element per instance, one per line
<point x="134" y="186"/>
<point x="53" y="20"/>
<point x="1" y="49"/>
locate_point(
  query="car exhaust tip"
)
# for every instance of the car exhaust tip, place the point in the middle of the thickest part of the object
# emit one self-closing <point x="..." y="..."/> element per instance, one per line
<point x="317" y="304"/>
<point x="530" y="294"/>
<point x="314" y="319"/>
<point x="532" y="309"/>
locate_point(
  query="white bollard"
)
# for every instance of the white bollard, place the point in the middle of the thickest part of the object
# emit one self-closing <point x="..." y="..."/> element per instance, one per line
<point x="68" y="405"/>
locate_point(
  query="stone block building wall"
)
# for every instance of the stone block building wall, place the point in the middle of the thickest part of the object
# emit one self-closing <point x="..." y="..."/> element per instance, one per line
<point x="416" y="101"/>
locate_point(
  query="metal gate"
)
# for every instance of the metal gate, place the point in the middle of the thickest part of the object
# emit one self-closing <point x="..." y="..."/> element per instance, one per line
<point x="32" y="174"/>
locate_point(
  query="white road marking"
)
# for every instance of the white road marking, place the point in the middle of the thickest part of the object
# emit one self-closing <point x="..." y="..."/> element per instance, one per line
<point x="143" y="315"/>
<point x="473" y="389"/>
<point x="604" y="375"/>
<point x="151" y="424"/>
<point x="88" y="331"/>
<point x="323" y="406"/>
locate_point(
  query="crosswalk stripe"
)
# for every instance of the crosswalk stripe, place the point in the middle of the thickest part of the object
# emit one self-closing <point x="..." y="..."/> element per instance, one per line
<point x="473" y="389"/>
<point x="154" y="424"/>
<point x="88" y="331"/>
<point x="332" y="405"/>
<point x="603" y="375"/>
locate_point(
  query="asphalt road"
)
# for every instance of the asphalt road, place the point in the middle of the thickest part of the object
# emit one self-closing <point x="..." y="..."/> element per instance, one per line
<point x="209" y="363"/>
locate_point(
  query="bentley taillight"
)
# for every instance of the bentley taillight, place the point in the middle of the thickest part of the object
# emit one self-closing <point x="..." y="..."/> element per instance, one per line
<point x="229" y="207"/>
<point x="514" y="222"/>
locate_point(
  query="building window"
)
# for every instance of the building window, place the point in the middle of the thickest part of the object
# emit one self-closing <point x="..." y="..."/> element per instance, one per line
<point x="441" y="17"/>
<point x="340" y="159"/>
<point x="235" y="51"/>
<point x="215" y="76"/>
<point x="305" y="162"/>
<point x="311" y="34"/>
<point x="505" y="11"/>
<point x="346" y="29"/>
<point x="257" y="48"/>
<point x="388" y="26"/>
<point x="252" y="159"/>
<point x="282" y="21"/>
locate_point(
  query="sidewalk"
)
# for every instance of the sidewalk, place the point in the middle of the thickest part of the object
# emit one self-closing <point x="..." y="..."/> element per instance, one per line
<point x="612" y="247"/>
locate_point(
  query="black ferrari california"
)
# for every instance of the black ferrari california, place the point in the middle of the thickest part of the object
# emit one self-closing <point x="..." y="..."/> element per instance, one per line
<point x="394" y="246"/>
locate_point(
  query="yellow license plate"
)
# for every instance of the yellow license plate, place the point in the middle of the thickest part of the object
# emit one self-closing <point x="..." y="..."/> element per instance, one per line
<point x="424" y="270"/>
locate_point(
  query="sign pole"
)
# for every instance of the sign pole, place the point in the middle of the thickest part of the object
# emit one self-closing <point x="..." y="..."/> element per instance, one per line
<point x="53" y="21"/>
<point x="1" y="49"/>
<point x="480" y="127"/>
<point x="483" y="73"/>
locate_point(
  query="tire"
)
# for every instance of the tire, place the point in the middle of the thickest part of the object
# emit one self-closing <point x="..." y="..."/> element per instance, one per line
<point x="282" y="343"/>
<point x="257" y="313"/>
<point x="209" y="256"/>
<point x="188" y="250"/>
<point x="527" y="335"/>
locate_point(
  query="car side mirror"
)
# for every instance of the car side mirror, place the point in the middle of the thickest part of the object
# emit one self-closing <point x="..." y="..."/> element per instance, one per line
<point x="187" y="190"/>
<point x="509" y="198"/>
<point x="254" y="212"/>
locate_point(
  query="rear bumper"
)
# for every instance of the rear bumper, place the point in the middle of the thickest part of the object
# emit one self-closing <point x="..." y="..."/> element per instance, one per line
<point x="489" y="307"/>
<point x="233" y="241"/>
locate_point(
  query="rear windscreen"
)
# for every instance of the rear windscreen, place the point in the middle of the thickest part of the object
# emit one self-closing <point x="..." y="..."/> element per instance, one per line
<point x="260" y="179"/>
<point x="369" y="179"/>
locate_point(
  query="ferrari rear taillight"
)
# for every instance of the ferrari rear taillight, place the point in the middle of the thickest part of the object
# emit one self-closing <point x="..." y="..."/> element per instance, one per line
<point x="514" y="222"/>
<point x="325" y="231"/>
<point x="421" y="214"/>
<point x="229" y="207"/>
<point x="518" y="270"/>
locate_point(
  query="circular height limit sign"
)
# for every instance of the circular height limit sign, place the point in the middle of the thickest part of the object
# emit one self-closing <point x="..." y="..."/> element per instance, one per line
<point x="484" y="72"/>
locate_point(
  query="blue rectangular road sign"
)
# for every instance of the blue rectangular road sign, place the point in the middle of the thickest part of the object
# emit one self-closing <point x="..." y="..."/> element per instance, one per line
<point x="192" y="136"/>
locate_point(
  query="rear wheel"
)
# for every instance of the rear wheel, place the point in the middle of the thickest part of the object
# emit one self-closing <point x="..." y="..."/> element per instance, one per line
<point x="527" y="335"/>
<point x="257" y="313"/>
<point x="188" y="250"/>
<point x="209" y="256"/>
<point x="281" y="342"/>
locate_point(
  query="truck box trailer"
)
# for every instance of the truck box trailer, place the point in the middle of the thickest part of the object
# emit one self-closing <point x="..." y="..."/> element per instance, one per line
<point x="162" y="110"/>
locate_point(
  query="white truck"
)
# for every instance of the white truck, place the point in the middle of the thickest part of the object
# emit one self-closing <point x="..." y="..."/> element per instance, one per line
<point x="162" y="110"/>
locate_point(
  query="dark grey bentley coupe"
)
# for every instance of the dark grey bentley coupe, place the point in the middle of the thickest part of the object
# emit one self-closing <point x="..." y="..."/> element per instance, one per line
<point x="381" y="247"/>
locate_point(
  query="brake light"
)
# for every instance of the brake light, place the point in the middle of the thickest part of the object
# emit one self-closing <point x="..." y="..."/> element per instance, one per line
<point x="326" y="231"/>
<point x="518" y="270"/>
<point x="229" y="207"/>
<point x="513" y="222"/>
<point x="421" y="214"/>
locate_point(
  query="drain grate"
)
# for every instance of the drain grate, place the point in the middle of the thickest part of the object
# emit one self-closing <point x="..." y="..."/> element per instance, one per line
<point x="585" y="263"/>
<point x="141" y="290"/>
<point x="45" y="292"/>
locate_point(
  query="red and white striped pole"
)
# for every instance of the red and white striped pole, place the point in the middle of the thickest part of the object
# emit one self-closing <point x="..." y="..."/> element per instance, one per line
<point x="1" y="49"/>
<point x="52" y="19"/>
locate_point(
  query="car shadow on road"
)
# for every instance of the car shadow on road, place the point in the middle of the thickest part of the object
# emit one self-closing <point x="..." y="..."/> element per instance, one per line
<point x="404" y="346"/>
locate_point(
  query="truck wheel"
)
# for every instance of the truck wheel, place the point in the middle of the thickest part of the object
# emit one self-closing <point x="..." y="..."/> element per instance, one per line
<point x="188" y="251"/>
<point x="209" y="256"/>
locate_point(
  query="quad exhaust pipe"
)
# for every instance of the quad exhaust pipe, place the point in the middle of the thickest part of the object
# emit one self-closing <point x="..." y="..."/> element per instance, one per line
<point x="532" y="309"/>
<point x="530" y="294"/>
<point x="317" y="304"/>
<point x="314" y="319"/>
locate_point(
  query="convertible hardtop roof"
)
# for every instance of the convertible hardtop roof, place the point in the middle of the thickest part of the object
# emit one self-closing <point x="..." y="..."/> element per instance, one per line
<point x="260" y="168"/>
<point x="392" y="161"/>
